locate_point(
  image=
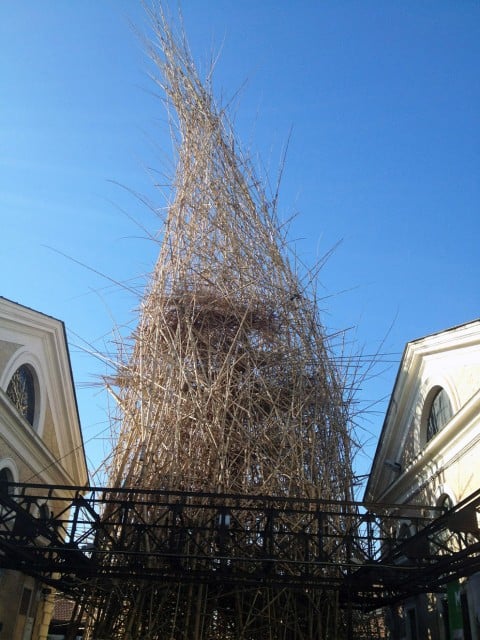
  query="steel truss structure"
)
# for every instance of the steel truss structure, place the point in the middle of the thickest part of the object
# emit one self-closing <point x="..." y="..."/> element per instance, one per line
<point x="85" y="541"/>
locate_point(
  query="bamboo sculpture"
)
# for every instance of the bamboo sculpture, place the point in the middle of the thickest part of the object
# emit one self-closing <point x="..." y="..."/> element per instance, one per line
<point x="229" y="385"/>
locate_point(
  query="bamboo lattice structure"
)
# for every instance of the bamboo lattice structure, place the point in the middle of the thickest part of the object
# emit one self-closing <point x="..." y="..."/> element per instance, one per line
<point x="230" y="385"/>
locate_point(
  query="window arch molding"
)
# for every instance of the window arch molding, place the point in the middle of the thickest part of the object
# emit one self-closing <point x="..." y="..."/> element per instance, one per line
<point x="438" y="398"/>
<point x="444" y="539"/>
<point x="9" y="470"/>
<point x="405" y="529"/>
<point x="444" y="492"/>
<point x="25" y="358"/>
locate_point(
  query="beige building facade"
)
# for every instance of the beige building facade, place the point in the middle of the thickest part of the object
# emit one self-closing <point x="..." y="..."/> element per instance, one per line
<point x="429" y="454"/>
<point x="40" y="442"/>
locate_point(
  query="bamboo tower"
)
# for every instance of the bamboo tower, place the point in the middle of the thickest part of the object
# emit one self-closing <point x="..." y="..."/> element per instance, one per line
<point x="229" y="385"/>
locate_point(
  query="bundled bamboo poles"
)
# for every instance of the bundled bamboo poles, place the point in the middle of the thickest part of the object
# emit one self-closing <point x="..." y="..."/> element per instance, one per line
<point x="230" y="385"/>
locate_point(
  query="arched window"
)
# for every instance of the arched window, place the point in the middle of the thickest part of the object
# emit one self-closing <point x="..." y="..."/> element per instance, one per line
<point x="445" y="502"/>
<point x="6" y="476"/>
<point x="40" y="511"/>
<point x="443" y="540"/>
<point x="21" y="391"/>
<point x="439" y="414"/>
<point x="404" y="532"/>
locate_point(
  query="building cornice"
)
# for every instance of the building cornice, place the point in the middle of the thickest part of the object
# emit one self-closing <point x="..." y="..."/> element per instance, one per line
<point x="49" y="335"/>
<point x="403" y="395"/>
<point x="449" y="445"/>
<point x="30" y="448"/>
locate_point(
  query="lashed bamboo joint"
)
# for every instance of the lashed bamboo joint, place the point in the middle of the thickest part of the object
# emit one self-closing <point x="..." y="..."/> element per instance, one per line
<point x="230" y="385"/>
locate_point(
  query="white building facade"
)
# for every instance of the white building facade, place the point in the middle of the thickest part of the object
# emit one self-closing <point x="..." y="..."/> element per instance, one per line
<point x="40" y="441"/>
<point x="429" y="454"/>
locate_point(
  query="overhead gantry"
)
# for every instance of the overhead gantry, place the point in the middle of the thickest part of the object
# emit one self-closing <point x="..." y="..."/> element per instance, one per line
<point x="85" y="541"/>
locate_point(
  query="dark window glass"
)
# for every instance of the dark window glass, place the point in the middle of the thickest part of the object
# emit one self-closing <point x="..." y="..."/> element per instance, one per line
<point x="44" y="512"/>
<point x="21" y="391"/>
<point x="404" y="532"/>
<point x="440" y="414"/>
<point x="442" y="541"/>
<point x="25" y="601"/>
<point x="467" y="630"/>
<point x="412" y="624"/>
<point x="5" y="476"/>
<point x="446" y="502"/>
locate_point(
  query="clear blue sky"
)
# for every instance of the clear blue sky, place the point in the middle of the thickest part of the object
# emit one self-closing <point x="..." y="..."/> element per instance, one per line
<point x="383" y="99"/>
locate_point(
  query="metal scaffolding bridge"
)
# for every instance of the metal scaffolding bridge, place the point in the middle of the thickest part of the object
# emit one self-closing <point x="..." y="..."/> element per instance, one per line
<point x="83" y="540"/>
